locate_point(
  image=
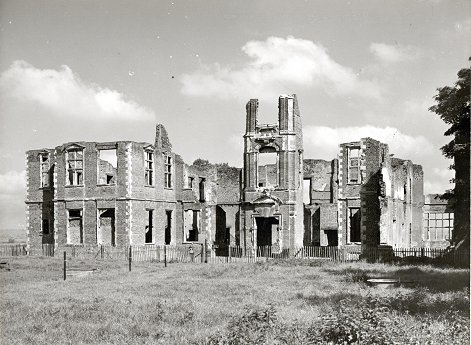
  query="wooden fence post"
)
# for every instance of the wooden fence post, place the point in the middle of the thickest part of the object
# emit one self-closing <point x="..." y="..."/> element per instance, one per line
<point x="130" y="257"/>
<point x="65" y="265"/>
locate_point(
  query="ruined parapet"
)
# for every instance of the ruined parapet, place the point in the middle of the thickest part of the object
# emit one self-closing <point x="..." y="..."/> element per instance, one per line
<point x="162" y="141"/>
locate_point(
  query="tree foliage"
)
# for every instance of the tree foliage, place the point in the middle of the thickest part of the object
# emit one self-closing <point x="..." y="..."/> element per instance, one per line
<point x="453" y="107"/>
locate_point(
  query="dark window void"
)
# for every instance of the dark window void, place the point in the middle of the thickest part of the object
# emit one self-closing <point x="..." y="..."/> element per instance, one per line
<point x="149" y="227"/>
<point x="202" y="186"/>
<point x="355" y="225"/>
<point x="168" y="227"/>
<point x="107" y="166"/>
<point x="45" y="226"/>
<point x="190" y="182"/>
<point x="267" y="230"/>
<point x="332" y="237"/>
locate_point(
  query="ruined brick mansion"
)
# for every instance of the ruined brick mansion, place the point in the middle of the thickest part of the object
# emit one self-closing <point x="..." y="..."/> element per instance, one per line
<point x="121" y="193"/>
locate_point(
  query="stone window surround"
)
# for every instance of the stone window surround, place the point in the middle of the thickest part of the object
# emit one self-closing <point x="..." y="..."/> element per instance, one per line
<point x="77" y="169"/>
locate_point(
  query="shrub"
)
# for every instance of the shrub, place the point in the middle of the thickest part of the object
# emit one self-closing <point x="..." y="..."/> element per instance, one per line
<point x="253" y="327"/>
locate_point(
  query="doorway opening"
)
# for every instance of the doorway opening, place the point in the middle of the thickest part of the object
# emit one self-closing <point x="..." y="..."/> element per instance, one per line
<point x="267" y="230"/>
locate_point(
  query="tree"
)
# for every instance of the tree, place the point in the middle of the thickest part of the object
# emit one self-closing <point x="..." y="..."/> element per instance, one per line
<point x="453" y="107"/>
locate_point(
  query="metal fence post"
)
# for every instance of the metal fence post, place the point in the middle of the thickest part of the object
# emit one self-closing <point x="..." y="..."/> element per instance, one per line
<point x="130" y="257"/>
<point x="201" y="253"/>
<point x="65" y="265"/>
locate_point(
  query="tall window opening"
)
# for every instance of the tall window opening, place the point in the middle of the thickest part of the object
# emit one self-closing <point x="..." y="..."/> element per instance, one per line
<point x="168" y="172"/>
<point x="190" y="181"/>
<point x="75" y="227"/>
<point x="267" y="166"/>
<point x="107" y="166"/>
<point x="75" y="167"/>
<point x="44" y="167"/>
<point x="191" y="225"/>
<point x="106" y="227"/>
<point x="354" y="225"/>
<point x="307" y="191"/>
<point x="354" y="165"/>
<point x="149" y="166"/>
<point x="149" y="237"/>
<point x="202" y="189"/>
<point x="168" y="226"/>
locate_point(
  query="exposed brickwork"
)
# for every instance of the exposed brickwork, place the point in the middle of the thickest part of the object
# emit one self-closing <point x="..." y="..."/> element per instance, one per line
<point x="261" y="204"/>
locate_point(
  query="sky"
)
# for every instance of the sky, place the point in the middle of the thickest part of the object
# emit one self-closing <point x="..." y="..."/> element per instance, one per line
<point x="108" y="70"/>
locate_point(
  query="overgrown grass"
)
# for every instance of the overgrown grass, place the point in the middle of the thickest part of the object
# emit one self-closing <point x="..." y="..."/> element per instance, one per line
<point x="282" y="302"/>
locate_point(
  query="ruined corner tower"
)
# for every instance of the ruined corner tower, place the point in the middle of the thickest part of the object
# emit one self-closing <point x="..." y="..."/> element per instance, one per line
<point x="272" y="191"/>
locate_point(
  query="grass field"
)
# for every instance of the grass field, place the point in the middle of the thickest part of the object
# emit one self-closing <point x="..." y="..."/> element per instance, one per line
<point x="282" y="302"/>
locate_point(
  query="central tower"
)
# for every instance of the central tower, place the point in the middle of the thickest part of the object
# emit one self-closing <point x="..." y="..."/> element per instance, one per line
<point x="272" y="190"/>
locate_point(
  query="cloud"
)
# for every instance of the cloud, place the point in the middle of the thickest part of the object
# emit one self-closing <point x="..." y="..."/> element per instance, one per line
<point x="393" y="53"/>
<point x="323" y="142"/>
<point x="12" y="183"/>
<point x="276" y="66"/>
<point x="63" y="94"/>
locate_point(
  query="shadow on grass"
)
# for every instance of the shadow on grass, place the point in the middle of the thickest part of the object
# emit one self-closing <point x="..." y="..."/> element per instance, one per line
<point x="434" y="280"/>
<point x="418" y="302"/>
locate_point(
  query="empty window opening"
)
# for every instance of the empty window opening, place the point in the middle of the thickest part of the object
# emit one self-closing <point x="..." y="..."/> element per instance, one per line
<point x="354" y="165"/>
<point x="75" y="167"/>
<point x="45" y="226"/>
<point x="149" y="236"/>
<point x="267" y="230"/>
<point x="354" y="225"/>
<point x="307" y="191"/>
<point x="168" y="226"/>
<point x="75" y="227"/>
<point x="168" y="172"/>
<point x="267" y="164"/>
<point x="202" y="189"/>
<point x="149" y="168"/>
<point x="190" y="182"/>
<point x="107" y="166"/>
<point x="106" y="227"/>
<point x="44" y="167"/>
<point x="191" y="225"/>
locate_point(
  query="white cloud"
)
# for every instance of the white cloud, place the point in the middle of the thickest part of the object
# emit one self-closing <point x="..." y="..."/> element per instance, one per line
<point x="64" y="94"/>
<point x="393" y="53"/>
<point x="12" y="182"/>
<point x="323" y="142"/>
<point x="277" y="66"/>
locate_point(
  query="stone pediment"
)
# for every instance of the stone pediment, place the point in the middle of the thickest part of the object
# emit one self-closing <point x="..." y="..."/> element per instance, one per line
<point x="72" y="146"/>
<point x="267" y="199"/>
